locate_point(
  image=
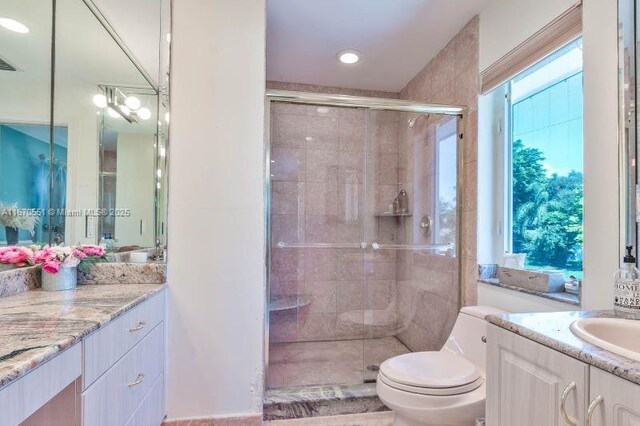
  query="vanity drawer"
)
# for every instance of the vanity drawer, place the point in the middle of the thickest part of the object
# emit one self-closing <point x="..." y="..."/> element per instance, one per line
<point x="113" y="398"/>
<point x="107" y="345"/>
<point x="151" y="411"/>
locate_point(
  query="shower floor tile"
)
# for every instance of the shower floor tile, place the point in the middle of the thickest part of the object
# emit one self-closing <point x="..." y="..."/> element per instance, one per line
<point x="340" y="362"/>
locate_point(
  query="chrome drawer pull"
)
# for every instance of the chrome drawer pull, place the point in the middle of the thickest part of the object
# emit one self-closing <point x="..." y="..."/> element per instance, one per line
<point x="563" y="404"/>
<point x="140" y="326"/>
<point x="137" y="381"/>
<point x="597" y="400"/>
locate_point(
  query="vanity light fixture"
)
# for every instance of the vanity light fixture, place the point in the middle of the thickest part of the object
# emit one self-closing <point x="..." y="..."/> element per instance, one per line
<point x="13" y="25"/>
<point x="132" y="102"/>
<point x="144" y="113"/>
<point x="113" y="113"/>
<point x="349" y="56"/>
<point x="100" y="100"/>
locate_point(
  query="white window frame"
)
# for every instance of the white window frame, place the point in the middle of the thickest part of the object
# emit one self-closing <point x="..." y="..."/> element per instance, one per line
<point x="504" y="178"/>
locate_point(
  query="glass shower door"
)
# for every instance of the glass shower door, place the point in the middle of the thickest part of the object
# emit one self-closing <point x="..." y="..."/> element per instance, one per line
<point x="410" y="298"/>
<point x="316" y="263"/>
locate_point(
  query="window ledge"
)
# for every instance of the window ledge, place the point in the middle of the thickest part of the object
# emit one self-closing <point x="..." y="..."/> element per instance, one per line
<point x="564" y="297"/>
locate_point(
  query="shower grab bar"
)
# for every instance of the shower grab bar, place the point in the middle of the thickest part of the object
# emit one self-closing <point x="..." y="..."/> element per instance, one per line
<point x="282" y="244"/>
<point x="363" y="245"/>
<point x="377" y="246"/>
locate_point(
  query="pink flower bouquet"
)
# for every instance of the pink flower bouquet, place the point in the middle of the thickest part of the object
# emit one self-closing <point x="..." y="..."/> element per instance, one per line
<point x="16" y="256"/>
<point x="82" y="256"/>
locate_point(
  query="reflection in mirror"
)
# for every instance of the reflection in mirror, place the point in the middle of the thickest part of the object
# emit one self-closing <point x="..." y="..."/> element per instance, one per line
<point x="110" y="109"/>
<point x="83" y="146"/>
<point x="627" y="118"/>
<point x="127" y="157"/>
<point x="25" y="151"/>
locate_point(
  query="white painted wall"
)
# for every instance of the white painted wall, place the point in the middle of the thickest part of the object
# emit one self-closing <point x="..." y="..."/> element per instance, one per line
<point x="601" y="211"/>
<point x="504" y="24"/>
<point x="216" y="208"/>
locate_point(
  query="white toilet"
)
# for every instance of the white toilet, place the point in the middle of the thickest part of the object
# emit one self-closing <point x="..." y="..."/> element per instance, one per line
<point x="445" y="387"/>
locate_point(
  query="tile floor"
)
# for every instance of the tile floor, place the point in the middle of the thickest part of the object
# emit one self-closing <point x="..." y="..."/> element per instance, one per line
<point x="342" y="362"/>
<point x="368" y="419"/>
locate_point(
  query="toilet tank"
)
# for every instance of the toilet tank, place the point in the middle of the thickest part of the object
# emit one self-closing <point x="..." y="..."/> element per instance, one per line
<point x="469" y="334"/>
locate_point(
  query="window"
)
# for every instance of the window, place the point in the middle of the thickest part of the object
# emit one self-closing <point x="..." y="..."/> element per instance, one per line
<point x="544" y="163"/>
<point x="446" y="175"/>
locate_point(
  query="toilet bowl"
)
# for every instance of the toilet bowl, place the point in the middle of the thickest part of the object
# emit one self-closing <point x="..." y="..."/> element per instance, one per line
<point x="445" y="387"/>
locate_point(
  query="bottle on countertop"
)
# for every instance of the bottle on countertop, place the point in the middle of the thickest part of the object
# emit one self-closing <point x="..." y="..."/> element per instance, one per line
<point x="626" y="291"/>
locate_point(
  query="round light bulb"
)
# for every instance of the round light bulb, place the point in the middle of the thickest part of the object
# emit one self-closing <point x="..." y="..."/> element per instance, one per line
<point x="13" y="25"/>
<point x="144" y="113"/>
<point x="125" y="110"/>
<point x="132" y="102"/>
<point x="112" y="113"/>
<point x="167" y="117"/>
<point x="100" y="100"/>
<point x="349" y="56"/>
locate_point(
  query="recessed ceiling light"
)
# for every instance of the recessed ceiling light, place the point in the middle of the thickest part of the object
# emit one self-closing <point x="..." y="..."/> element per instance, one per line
<point x="13" y="25"/>
<point x="349" y="56"/>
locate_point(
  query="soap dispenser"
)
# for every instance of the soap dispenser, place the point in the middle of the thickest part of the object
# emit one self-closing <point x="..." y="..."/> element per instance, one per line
<point x="626" y="293"/>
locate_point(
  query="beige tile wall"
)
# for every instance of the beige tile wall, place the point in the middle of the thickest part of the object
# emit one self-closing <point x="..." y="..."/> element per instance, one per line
<point x="427" y="291"/>
<point x="317" y="196"/>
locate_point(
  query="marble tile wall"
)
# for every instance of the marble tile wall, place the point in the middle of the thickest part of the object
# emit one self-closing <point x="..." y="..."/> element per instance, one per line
<point x="427" y="291"/>
<point x="318" y="189"/>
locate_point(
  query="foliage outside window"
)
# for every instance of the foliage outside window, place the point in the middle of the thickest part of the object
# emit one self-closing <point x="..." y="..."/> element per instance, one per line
<point x="546" y="145"/>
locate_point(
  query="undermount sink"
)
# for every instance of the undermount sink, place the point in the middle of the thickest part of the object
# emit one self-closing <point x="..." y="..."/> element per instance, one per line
<point x="617" y="335"/>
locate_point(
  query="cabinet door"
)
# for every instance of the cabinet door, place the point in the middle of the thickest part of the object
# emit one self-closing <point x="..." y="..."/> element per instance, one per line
<point x="525" y="382"/>
<point x="620" y="404"/>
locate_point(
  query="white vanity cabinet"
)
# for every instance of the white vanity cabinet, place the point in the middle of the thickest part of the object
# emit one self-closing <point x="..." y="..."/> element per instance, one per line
<point x="529" y="384"/>
<point x="614" y="401"/>
<point x="526" y="382"/>
<point x="114" y="376"/>
<point x="123" y="369"/>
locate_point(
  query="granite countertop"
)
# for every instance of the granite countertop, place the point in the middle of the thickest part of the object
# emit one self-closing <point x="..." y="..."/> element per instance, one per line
<point x="37" y="325"/>
<point x="551" y="329"/>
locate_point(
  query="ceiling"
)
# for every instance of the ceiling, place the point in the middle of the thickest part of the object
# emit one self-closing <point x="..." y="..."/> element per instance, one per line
<point x="92" y="58"/>
<point x="395" y="37"/>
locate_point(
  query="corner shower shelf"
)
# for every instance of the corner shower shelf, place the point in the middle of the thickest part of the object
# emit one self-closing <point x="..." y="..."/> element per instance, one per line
<point x="286" y="303"/>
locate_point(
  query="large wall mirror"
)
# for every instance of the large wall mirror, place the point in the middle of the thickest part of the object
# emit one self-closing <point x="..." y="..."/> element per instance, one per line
<point x="84" y="115"/>
<point x="628" y="38"/>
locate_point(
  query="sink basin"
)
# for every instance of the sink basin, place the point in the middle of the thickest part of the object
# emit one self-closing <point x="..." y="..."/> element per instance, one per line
<point x="617" y="335"/>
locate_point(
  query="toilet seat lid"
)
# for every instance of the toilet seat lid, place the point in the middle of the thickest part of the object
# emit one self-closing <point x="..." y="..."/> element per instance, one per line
<point x="430" y="370"/>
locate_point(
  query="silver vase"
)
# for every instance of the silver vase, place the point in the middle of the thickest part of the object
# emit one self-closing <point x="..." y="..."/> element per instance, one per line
<point x="7" y="267"/>
<point x="65" y="279"/>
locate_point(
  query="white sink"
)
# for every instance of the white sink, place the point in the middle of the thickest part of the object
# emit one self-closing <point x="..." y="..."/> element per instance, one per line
<point x="620" y="336"/>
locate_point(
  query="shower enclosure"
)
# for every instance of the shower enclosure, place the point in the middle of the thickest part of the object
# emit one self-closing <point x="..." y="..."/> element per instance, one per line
<point x="364" y="196"/>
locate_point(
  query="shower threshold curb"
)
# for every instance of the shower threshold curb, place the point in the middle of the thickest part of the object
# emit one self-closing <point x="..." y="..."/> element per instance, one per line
<point x="316" y="401"/>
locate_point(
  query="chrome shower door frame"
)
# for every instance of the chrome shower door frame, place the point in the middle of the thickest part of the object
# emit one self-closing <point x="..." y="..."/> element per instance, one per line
<point x="379" y="104"/>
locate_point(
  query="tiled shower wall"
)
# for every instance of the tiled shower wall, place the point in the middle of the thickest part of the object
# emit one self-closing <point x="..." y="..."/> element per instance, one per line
<point x="317" y="197"/>
<point x="427" y="296"/>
